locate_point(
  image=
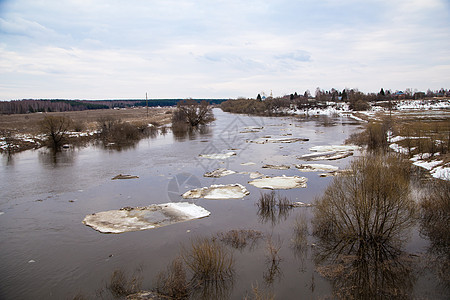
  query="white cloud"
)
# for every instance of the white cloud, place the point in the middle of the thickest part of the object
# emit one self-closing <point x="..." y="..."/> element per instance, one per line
<point x="116" y="49"/>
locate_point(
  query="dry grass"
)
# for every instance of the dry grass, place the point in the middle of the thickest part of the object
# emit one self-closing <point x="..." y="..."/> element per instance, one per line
<point x="208" y="260"/>
<point x="273" y="207"/>
<point x="173" y="283"/>
<point x="29" y="123"/>
<point x="120" y="285"/>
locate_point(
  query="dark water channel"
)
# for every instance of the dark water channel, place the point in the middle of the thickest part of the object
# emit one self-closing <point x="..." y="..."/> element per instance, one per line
<point x="47" y="253"/>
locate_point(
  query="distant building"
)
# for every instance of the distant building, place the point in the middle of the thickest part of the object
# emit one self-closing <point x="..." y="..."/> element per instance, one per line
<point x="399" y="95"/>
<point x="419" y="95"/>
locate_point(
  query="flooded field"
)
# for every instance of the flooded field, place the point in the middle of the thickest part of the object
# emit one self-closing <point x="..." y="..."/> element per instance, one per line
<point x="48" y="253"/>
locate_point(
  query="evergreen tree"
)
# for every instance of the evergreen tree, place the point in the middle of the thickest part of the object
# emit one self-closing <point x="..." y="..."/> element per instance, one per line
<point x="258" y="97"/>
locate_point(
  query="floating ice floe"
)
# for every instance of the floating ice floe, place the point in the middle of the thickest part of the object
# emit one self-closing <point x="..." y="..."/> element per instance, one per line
<point x="277" y="167"/>
<point x="301" y="204"/>
<point x="218" y="191"/>
<point x="279" y="140"/>
<point x="337" y="148"/>
<point x="248" y="164"/>
<point x="219" y="173"/>
<point x="124" y="176"/>
<point x="141" y="218"/>
<point x="280" y="182"/>
<point x="335" y="173"/>
<point x="331" y="152"/>
<point x="218" y="155"/>
<point x="316" y="168"/>
<point x="252" y="175"/>
<point x="331" y="155"/>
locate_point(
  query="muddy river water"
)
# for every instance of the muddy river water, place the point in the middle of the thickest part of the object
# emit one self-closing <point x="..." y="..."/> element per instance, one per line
<point x="47" y="253"/>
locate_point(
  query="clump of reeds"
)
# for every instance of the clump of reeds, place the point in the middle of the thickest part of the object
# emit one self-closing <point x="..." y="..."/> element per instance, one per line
<point x="120" y="285"/>
<point x="209" y="260"/>
<point x="173" y="282"/>
<point x="273" y="249"/>
<point x="240" y="238"/>
<point x="273" y="207"/>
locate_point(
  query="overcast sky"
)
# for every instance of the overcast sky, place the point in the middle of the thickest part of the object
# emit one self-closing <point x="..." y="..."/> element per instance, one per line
<point x="114" y="49"/>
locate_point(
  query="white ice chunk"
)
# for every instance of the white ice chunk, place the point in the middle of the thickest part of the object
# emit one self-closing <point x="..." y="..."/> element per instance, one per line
<point x="141" y="218"/>
<point x="218" y="191"/>
<point x="339" y="148"/>
<point x="219" y="173"/>
<point x="247" y="164"/>
<point x="280" y="182"/>
<point x="277" y="167"/>
<point x="316" y="168"/>
<point x="218" y="155"/>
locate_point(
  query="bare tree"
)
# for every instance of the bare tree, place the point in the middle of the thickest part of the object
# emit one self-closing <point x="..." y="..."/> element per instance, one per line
<point x="193" y="113"/>
<point x="55" y="128"/>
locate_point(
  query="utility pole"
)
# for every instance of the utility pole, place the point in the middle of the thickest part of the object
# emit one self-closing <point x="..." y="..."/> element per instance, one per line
<point x="146" y="103"/>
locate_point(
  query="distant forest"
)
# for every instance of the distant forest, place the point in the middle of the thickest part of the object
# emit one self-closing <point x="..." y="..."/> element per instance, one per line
<point x="59" y="105"/>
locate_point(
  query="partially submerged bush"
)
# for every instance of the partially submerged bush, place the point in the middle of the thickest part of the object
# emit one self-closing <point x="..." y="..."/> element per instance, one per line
<point x="273" y="207"/>
<point x="115" y="131"/>
<point x="372" y="205"/>
<point x="193" y="113"/>
<point x="173" y="282"/>
<point x="361" y="223"/>
<point x="120" y="285"/>
<point x="374" y="136"/>
<point x="209" y="260"/>
<point x="55" y="128"/>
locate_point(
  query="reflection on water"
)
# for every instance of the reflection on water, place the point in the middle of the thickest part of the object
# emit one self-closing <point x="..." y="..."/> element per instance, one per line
<point x="185" y="132"/>
<point x="56" y="158"/>
<point x="435" y="221"/>
<point x="365" y="271"/>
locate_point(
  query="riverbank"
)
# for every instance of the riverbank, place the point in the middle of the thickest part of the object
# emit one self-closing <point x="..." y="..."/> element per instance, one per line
<point x="21" y="132"/>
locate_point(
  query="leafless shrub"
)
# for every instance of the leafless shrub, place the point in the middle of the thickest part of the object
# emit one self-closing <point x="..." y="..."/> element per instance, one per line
<point x="120" y="285"/>
<point x="209" y="260"/>
<point x="239" y="239"/>
<point x="372" y="205"/>
<point x="173" y="282"/>
<point x="55" y="128"/>
<point x="374" y="136"/>
<point x="194" y="113"/>
<point x="361" y="223"/>
<point x="78" y="125"/>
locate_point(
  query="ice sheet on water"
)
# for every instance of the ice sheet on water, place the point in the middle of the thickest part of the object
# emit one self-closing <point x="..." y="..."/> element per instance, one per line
<point x="141" y="218"/>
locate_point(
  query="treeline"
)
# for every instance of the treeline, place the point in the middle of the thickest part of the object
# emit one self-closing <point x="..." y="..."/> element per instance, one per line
<point x="60" y="105"/>
<point x="356" y="100"/>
